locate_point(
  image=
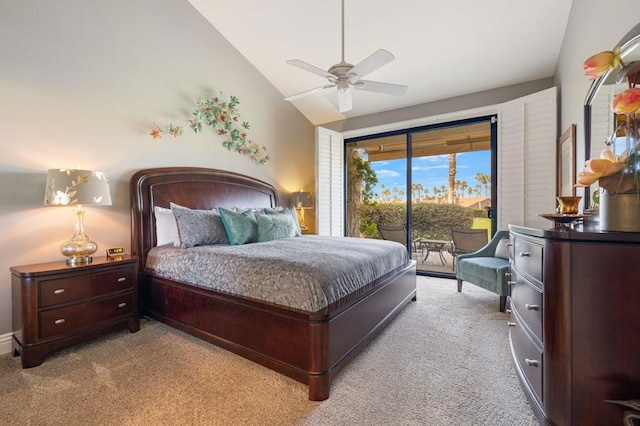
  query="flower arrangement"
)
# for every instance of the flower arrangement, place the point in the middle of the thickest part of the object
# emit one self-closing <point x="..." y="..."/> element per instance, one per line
<point x="223" y="117"/>
<point x="616" y="174"/>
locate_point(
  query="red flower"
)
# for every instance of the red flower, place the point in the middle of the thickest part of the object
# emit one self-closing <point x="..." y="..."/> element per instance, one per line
<point x="155" y="133"/>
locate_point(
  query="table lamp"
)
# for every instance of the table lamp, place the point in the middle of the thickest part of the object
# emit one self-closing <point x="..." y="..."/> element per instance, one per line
<point x="301" y="200"/>
<point x="67" y="187"/>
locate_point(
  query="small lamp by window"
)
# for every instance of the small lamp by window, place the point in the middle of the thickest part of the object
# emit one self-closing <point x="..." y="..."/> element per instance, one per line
<point x="67" y="187"/>
<point x="301" y="200"/>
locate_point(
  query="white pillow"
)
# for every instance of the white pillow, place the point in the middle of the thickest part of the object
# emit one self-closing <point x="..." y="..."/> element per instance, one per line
<point x="166" y="227"/>
<point x="502" y="249"/>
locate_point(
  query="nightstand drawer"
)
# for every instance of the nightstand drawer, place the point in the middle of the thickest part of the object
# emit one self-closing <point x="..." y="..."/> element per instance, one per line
<point x="76" y="317"/>
<point x="79" y="287"/>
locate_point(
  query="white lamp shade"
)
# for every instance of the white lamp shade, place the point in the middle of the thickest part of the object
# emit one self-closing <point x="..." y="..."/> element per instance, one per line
<point x="67" y="187"/>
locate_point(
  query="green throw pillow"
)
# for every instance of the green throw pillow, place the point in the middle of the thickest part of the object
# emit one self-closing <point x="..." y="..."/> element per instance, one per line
<point x="275" y="226"/>
<point x="241" y="227"/>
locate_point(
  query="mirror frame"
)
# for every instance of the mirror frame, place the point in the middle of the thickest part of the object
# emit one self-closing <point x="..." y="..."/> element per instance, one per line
<point x="627" y="44"/>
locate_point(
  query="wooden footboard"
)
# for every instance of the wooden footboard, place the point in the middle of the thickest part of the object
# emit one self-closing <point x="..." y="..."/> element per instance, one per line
<point x="309" y="347"/>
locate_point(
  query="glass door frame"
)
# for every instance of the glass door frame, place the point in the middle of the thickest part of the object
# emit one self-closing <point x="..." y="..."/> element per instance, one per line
<point x="491" y="118"/>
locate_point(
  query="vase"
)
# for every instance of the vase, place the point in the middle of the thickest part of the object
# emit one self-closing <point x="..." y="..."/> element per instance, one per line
<point x="620" y="210"/>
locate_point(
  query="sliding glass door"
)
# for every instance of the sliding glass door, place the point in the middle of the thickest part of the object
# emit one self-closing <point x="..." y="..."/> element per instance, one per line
<point x="444" y="183"/>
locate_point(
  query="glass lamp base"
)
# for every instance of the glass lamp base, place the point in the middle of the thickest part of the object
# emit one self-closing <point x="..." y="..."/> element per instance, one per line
<point x="79" y="248"/>
<point x="78" y="251"/>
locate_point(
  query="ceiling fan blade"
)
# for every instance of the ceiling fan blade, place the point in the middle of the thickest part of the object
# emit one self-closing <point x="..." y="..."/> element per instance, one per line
<point x="378" y="87"/>
<point x="371" y="63"/>
<point x="344" y="100"/>
<point x="308" y="92"/>
<point x="311" y="68"/>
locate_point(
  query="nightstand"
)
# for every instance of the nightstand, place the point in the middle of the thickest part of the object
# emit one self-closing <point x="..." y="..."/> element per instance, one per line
<point x="55" y="305"/>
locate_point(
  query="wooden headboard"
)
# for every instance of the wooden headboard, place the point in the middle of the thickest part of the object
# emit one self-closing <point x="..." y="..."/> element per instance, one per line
<point x="193" y="187"/>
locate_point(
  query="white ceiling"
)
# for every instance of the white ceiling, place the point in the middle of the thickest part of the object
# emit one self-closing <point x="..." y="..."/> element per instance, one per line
<point x="442" y="49"/>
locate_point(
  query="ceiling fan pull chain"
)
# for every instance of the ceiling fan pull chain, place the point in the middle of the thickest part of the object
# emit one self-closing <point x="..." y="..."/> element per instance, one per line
<point x="342" y="30"/>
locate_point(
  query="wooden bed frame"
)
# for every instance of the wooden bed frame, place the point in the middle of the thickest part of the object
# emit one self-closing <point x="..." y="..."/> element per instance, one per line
<point x="308" y="347"/>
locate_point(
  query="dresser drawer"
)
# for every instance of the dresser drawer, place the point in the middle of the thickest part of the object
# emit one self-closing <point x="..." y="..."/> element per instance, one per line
<point x="79" y="287"/>
<point x="527" y="354"/>
<point x="526" y="299"/>
<point x="60" y="321"/>
<point x="527" y="258"/>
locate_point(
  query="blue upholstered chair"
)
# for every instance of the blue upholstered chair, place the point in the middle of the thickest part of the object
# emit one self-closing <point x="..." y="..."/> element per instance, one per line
<point x="485" y="270"/>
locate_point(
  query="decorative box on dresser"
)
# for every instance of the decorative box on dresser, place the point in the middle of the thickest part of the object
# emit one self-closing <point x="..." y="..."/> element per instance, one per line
<point x="575" y="322"/>
<point x="55" y="305"/>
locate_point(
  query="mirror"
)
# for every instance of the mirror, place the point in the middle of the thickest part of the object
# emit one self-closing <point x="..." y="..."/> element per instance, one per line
<point x="599" y="120"/>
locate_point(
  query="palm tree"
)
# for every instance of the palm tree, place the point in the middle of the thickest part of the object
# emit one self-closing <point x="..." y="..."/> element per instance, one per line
<point x="485" y="180"/>
<point x="452" y="176"/>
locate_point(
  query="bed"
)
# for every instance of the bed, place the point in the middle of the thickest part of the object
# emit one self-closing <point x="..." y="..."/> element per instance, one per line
<point x="310" y="346"/>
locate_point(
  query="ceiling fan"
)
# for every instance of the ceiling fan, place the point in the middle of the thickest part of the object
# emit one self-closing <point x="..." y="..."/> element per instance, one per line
<point x="345" y="76"/>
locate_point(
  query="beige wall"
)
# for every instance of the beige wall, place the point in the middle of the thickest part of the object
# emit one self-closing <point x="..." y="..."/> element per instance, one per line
<point x="593" y="26"/>
<point x="81" y="82"/>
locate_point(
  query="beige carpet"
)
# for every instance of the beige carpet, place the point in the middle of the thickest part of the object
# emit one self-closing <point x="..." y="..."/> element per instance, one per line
<point x="444" y="361"/>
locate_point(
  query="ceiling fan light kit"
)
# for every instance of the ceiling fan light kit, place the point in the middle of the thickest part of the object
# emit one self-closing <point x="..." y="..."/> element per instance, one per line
<point x="344" y="76"/>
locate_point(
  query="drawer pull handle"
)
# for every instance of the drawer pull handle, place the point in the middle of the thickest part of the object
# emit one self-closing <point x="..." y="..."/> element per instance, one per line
<point x="531" y="307"/>
<point x="524" y="254"/>
<point x="59" y="321"/>
<point x="121" y="279"/>
<point x="58" y="291"/>
<point x="507" y="275"/>
<point x="511" y="324"/>
<point x="509" y="244"/>
<point x="122" y="305"/>
<point x="531" y="362"/>
<point x="511" y="283"/>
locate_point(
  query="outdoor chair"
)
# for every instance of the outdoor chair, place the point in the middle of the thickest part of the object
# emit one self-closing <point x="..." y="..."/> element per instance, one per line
<point x="487" y="267"/>
<point x="395" y="233"/>
<point x="466" y="240"/>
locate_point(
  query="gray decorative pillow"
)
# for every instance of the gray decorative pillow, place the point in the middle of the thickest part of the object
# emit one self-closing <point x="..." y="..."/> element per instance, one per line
<point x="502" y="249"/>
<point x="166" y="227"/>
<point x="241" y="227"/>
<point x="289" y="211"/>
<point x="275" y="226"/>
<point x="199" y="227"/>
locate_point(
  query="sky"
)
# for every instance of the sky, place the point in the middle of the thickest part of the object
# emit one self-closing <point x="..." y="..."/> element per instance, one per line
<point x="432" y="171"/>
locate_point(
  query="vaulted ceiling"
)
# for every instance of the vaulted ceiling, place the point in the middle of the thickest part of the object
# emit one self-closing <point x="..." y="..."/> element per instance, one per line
<point x="442" y="49"/>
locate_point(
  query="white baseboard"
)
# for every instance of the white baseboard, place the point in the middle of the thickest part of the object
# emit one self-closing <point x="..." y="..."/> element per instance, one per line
<point x="5" y="343"/>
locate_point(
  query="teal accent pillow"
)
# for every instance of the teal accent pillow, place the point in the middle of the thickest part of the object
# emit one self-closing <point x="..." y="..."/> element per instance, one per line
<point x="275" y="226"/>
<point x="287" y="211"/>
<point x="241" y="227"/>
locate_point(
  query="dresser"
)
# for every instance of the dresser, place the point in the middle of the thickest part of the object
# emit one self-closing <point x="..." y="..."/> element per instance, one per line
<point x="575" y="322"/>
<point x="56" y="305"/>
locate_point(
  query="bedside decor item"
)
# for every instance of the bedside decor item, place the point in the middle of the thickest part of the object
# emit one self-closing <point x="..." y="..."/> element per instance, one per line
<point x="617" y="175"/>
<point x="301" y="200"/>
<point x="223" y="117"/>
<point x="67" y="187"/>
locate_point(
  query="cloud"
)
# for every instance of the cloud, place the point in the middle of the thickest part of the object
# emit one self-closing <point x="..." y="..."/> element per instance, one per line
<point x="387" y="173"/>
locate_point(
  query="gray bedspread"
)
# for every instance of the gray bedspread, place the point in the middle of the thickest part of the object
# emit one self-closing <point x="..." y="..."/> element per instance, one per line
<point x="307" y="273"/>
